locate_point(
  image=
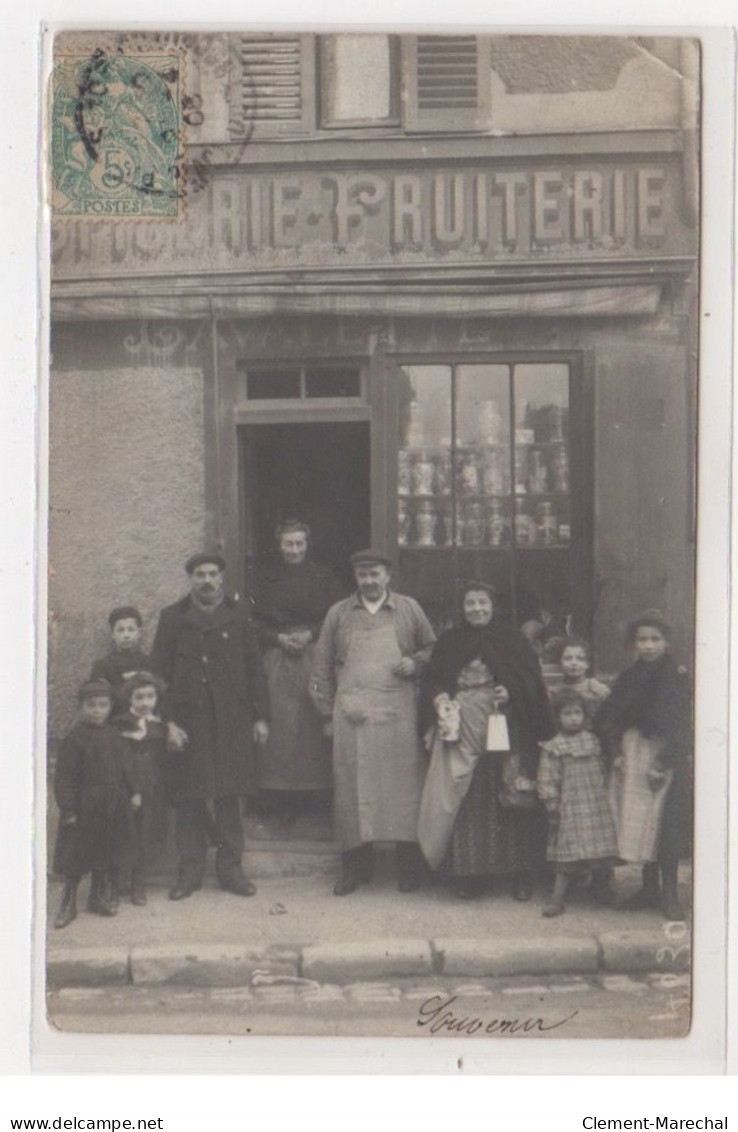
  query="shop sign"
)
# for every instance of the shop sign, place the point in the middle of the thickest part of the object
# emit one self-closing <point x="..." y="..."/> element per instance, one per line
<point x="315" y="218"/>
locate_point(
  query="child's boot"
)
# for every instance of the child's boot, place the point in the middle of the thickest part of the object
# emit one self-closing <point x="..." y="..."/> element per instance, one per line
<point x="599" y="887"/>
<point x="138" y="888"/>
<point x="68" y="907"/>
<point x="556" y="906"/>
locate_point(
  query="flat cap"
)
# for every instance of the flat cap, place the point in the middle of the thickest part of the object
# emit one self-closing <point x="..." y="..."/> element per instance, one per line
<point x="203" y="559"/>
<point x="371" y="557"/>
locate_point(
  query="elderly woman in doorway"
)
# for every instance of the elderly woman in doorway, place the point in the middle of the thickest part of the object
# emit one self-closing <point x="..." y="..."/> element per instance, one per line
<point x="479" y="815"/>
<point x="291" y="600"/>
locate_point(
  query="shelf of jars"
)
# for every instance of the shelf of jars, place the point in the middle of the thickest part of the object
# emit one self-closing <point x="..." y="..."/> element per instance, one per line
<point x="472" y="505"/>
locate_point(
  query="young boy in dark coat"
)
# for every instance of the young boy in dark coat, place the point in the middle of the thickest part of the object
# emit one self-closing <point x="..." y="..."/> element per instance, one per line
<point x="126" y="657"/>
<point x="144" y="736"/>
<point x="94" y="789"/>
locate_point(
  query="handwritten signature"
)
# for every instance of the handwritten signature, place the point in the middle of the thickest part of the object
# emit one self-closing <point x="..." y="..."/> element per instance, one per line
<point x="436" y="1016"/>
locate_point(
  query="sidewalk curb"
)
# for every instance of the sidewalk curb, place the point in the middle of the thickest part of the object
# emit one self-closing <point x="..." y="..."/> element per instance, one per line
<point x="342" y="963"/>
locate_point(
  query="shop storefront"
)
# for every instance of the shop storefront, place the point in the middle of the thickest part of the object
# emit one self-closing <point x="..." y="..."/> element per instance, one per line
<point x="476" y="352"/>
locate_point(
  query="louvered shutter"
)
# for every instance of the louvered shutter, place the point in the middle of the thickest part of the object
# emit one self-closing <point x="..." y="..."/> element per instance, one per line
<point x="274" y="87"/>
<point x="447" y="82"/>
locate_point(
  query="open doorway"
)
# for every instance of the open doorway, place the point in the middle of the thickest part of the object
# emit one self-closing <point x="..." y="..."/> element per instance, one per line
<point x="316" y="472"/>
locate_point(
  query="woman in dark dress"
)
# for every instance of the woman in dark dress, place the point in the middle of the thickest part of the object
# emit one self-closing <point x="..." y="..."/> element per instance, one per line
<point x="479" y="815"/>
<point x="291" y="600"/>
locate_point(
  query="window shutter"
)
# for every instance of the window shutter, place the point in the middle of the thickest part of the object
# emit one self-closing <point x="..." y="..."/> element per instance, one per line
<point x="447" y="83"/>
<point x="274" y="84"/>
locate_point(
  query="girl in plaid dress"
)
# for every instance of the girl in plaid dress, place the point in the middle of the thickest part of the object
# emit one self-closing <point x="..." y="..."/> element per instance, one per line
<point x="571" y="784"/>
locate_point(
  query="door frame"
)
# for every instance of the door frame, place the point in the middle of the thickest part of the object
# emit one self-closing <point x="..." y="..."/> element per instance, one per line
<point x="246" y="419"/>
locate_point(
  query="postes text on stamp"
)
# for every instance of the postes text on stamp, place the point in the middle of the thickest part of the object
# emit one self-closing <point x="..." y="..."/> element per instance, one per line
<point x="115" y="135"/>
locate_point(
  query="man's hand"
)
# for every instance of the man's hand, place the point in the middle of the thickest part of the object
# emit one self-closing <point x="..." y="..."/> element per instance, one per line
<point x="177" y="737"/>
<point x="69" y="818"/>
<point x="405" y="667"/>
<point x="136" y="801"/>
<point x="501" y="695"/>
<point x="287" y="643"/>
<point x="261" y="732"/>
<point x="655" y="777"/>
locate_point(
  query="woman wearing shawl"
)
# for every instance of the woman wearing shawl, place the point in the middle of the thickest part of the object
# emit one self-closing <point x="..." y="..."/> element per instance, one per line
<point x="645" y="728"/>
<point x="479" y="817"/>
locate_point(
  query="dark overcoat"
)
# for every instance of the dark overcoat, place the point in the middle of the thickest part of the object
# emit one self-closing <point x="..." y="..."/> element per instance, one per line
<point x="211" y="665"/>
<point x="94" y="783"/>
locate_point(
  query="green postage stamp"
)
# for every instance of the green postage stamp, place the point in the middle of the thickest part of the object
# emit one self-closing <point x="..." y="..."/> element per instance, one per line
<point x="115" y="135"/>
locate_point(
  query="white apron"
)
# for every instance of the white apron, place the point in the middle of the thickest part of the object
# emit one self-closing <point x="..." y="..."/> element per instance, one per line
<point x="378" y="760"/>
<point x="637" y="809"/>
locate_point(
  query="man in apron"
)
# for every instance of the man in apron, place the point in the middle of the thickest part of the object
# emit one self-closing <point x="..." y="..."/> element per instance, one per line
<point x="365" y="680"/>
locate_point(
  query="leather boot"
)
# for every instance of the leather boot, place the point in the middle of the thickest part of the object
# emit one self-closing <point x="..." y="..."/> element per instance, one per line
<point x="138" y="889"/>
<point x="107" y="900"/>
<point x="94" y="897"/>
<point x="409" y="866"/>
<point x="356" y="869"/>
<point x="68" y="907"/>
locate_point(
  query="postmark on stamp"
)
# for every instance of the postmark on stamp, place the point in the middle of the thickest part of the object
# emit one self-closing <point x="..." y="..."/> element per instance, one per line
<point x="115" y="135"/>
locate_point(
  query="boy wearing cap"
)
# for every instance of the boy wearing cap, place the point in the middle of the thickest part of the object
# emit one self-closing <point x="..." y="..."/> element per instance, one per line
<point x="125" y="657"/>
<point x="368" y="658"/>
<point x="207" y="653"/>
<point x="94" y="788"/>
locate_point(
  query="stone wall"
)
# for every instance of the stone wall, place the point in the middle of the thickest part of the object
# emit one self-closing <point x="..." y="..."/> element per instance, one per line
<point x="127" y="505"/>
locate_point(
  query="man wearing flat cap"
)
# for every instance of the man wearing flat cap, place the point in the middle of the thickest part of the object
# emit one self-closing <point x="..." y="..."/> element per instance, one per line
<point x="365" y="680"/>
<point x="216" y="705"/>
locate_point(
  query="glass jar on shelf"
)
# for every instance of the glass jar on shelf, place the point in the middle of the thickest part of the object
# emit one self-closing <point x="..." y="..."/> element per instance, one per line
<point x="404" y="472"/>
<point x="498" y="525"/>
<point x="490" y="422"/>
<point x="474" y="525"/>
<point x="425" y="524"/>
<point x="468" y="473"/>
<point x="415" y="432"/>
<point x="423" y="474"/>
<point x="447" y="523"/>
<point x="560" y="469"/>
<point x="496" y="472"/>
<point x="548" y="525"/>
<point x="526" y="532"/>
<point x="404" y="522"/>
<point x="444" y="474"/>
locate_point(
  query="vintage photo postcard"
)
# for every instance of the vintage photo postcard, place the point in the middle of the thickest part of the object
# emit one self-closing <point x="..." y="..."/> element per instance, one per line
<point x="373" y="391"/>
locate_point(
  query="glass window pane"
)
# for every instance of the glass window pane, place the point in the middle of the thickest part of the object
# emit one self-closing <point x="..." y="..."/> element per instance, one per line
<point x="357" y="78"/>
<point x="542" y="479"/>
<point x="483" y="506"/>
<point x="331" y="382"/>
<point x="273" y="384"/>
<point x="424" y="487"/>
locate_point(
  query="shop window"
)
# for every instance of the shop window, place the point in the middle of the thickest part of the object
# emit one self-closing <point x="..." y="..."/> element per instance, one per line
<point x="359" y="80"/>
<point x="301" y="383"/>
<point x="273" y="90"/>
<point x="448" y="82"/>
<point x="484" y="486"/>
